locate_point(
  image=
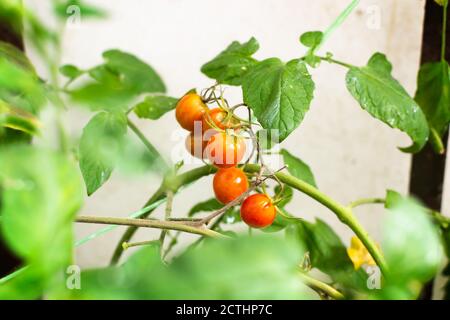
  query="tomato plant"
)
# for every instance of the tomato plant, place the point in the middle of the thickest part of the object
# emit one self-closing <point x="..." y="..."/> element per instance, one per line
<point x="43" y="186"/>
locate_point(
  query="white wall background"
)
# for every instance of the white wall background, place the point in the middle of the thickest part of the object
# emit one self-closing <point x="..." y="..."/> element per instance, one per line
<point x="351" y="154"/>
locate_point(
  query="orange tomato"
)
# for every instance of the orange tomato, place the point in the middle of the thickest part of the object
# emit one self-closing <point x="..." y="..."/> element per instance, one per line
<point x="228" y="184"/>
<point x="195" y="145"/>
<point x="225" y="151"/>
<point x="190" y="109"/>
<point x="258" y="211"/>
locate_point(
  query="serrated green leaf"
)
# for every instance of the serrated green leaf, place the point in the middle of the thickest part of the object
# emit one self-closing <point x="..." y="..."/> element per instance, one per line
<point x="231" y="65"/>
<point x="385" y="99"/>
<point x="205" y="206"/>
<point x="279" y="94"/>
<point x="70" y="71"/>
<point x="298" y="168"/>
<point x="154" y="107"/>
<point x="135" y="74"/>
<point x="433" y="94"/>
<point x="41" y="193"/>
<point x="100" y="147"/>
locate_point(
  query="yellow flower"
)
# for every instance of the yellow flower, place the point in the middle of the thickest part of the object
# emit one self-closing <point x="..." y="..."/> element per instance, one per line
<point x="358" y="253"/>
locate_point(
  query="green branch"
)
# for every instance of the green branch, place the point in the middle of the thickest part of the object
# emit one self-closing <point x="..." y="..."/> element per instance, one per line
<point x="145" y="223"/>
<point x="320" y="286"/>
<point x="338" y="21"/>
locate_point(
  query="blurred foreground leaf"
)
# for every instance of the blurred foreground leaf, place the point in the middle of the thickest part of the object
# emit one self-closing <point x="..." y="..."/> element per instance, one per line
<point x="41" y="193"/>
<point x="243" y="268"/>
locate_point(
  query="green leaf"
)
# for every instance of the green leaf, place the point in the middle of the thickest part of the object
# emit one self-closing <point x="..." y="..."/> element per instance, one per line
<point x="20" y="87"/>
<point x="135" y="74"/>
<point x="267" y="269"/>
<point x="385" y="99"/>
<point x="103" y="96"/>
<point x="100" y="147"/>
<point x="412" y="249"/>
<point x="393" y="198"/>
<point x="205" y="206"/>
<point x="281" y="221"/>
<point x="16" y="56"/>
<point x="327" y="252"/>
<point x="298" y="168"/>
<point x="154" y="107"/>
<point x="441" y="2"/>
<point x="286" y="195"/>
<point x="231" y="65"/>
<point x="70" y="71"/>
<point x="41" y="193"/>
<point x="279" y="94"/>
<point x="17" y="119"/>
<point x="433" y="94"/>
<point x="311" y="39"/>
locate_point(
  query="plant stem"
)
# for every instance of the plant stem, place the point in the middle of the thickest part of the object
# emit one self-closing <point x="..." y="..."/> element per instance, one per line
<point x="341" y="63"/>
<point x="158" y="224"/>
<point x="444" y="30"/>
<point x="338" y="21"/>
<point x="169" y="196"/>
<point x="318" y="285"/>
<point x="152" y="150"/>
<point x="436" y="141"/>
<point x="127" y="245"/>
<point x="360" y="202"/>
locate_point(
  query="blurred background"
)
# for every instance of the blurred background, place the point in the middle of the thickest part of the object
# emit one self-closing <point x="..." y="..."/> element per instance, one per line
<point x="351" y="154"/>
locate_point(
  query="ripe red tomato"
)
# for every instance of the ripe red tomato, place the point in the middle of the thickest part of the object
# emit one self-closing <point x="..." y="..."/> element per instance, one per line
<point x="190" y="109"/>
<point x="225" y="151"/>
<point x="195" y="145"/>
<point x="217" y="116"/>
<point x="228" y="184"/>
<point x="258" y="211"/>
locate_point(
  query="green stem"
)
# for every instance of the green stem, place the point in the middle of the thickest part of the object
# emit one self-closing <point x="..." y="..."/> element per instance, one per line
<point x="144" y="223"/>
<point x="436" y="141"/>
<point x="318" y="285"/>
<point x="127" y="245"/>
<point x="152" y="150"/>
<point x="341" y="63"/>
<point x="360" y="202"/>
<point x="338" y="21"/>
<point x="444" y="30"/>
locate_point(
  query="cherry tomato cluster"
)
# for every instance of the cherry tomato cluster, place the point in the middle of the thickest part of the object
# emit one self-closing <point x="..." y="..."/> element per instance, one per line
<point x="214" y="135"/>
